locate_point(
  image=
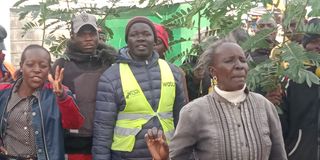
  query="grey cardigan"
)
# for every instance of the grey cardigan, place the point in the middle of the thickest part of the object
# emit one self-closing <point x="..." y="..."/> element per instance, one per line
<point x="210" y="125"/>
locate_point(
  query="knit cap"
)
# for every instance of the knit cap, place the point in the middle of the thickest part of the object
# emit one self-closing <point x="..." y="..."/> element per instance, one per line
<point x="162" y="34"/>
<point x="140" y="19"/>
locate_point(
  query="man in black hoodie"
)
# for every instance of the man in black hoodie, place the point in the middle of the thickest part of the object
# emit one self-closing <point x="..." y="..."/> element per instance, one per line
<point x="87" y="60"/>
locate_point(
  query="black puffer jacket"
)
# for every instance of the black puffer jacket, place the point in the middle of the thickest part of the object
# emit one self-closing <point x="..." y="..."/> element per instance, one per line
<point x="110" y="101"/>
<point x="81" y="74"/>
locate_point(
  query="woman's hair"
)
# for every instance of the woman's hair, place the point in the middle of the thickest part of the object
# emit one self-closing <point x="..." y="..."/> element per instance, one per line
<point x="18" y="73"/>
<point x="205" y="59"/>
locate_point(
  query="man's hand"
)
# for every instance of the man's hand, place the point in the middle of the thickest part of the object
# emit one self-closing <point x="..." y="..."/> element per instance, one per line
<point x="157" y="145"/>
<point x="275" y="96"/>
<point x="56" y="81"/>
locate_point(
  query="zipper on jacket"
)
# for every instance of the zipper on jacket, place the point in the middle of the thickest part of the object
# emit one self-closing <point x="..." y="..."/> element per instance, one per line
<point x="151" y="86"/>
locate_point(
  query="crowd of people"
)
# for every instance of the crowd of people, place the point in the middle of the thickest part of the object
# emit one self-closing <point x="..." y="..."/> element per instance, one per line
<point x="132" y="104"/>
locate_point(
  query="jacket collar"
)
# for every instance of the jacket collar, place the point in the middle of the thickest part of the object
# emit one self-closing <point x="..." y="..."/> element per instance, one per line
<point x="103" y="53"/>
<point x="124" y="57"/>
<point x="219" y="98"/>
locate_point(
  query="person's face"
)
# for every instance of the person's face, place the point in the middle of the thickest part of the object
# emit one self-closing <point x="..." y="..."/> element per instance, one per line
<point x="86" y="40"/>
<point x="229" y="66"/>
<point x="314" y="45"/>
<point x="160" y="48"/>
<point x="263" y="26"/>
<point x="292" y="35"/>
<point x="35" y="68"/>
<point x="140" y="41"/>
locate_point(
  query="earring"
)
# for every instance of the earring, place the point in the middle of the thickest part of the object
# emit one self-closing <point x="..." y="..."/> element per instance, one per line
<point x="317" y="72"/>
<point x="214" y="81"/>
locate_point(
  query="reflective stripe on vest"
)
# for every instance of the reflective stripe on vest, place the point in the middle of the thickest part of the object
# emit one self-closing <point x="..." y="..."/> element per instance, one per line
<point x="138" y="111"/>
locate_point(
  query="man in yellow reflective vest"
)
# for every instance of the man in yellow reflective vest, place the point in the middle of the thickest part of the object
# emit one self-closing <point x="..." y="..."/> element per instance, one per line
<point x="138" y="92"/>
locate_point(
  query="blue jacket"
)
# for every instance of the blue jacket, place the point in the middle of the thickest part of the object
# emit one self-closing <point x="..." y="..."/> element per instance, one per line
<point x="110" y="101"/>
<point x="50" y="116"/>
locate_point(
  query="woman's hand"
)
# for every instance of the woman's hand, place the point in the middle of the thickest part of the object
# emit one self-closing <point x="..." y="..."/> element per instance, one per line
<point x="157" y="145"/>
<point x="56" y="81"/>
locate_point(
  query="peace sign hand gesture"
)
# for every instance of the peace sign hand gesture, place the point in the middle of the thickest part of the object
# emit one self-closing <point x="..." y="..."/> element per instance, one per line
<point x="56" y="81"/>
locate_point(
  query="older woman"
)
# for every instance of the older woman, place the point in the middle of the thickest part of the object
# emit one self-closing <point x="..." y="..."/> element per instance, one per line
<point x="230" y="122"/>
<point x="33" y="112"/>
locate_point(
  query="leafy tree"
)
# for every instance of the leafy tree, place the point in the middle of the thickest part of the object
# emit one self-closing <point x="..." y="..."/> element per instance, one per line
<point x="50" y="17"/>
<point x="293" y="62"/>
<point x="221" y="17"/>
<point x="224" y="16"/>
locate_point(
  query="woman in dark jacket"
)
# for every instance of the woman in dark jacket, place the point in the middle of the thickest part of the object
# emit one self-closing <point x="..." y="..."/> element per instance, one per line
<point x="35" y="112"/>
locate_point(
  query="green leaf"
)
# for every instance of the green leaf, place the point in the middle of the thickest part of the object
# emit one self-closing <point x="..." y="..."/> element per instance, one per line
<point x="19" y="2"/>
<point x="315" y="6"/>
<point x="28" y="26"/>
<point x="183" y="12"/>
<point x="22" y="15"/>
<point x="171" y="43"/>
<point x="314" y="78"/>
<point x="257" y="41"/>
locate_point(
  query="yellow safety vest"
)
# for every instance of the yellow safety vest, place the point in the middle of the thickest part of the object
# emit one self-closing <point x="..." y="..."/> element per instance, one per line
<point x="138" y="111"/>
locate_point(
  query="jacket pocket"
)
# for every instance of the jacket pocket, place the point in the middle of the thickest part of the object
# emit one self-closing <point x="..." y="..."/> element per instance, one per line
<point x="295" y="147"/>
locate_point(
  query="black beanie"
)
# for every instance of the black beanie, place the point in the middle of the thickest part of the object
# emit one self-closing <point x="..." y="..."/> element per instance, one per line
<point x="140" y="19"/>
<point x="311" y="36"/>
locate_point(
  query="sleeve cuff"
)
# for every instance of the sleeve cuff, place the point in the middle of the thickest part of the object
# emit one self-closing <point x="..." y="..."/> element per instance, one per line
<point x="63" y="96"/>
